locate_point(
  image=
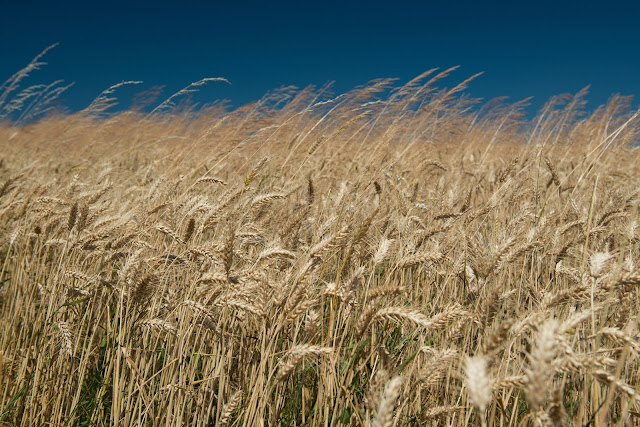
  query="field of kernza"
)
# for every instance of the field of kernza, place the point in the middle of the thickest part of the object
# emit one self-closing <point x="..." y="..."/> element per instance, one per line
<point x="383" y="257"/>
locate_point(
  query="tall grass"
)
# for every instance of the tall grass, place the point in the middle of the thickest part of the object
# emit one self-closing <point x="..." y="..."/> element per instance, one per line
<point x="361" y="260"/>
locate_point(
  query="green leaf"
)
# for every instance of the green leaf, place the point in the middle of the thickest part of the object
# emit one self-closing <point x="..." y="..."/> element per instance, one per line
<point x="12" y="402"/>
<point x="406" y="362"/>
<point x="345" y="416"/>
<point x="76" y="302"/>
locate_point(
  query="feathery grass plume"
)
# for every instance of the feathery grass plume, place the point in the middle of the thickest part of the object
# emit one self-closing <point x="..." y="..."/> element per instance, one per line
<point x="381" y="252"/>
<point x="228" y="248"/>
<point x="498" y="254"/>
<point x="610" y="380"/>
<point x="400" y="314"/>
<point x="256" y="168"/>
<point x="239" y="304"/>
<point x="360" y="233"/>
<point x="628" y="265"/>
<point x="66" y="338"/>
<point x="362" y="230"/>
<point x="571" y="273"/>
<point x="83" y="214"/>
<point x="597" y="263"/>
<point x="571" y="225"/>
<point x="7" y="184"/>
<point x="355" y="279"/>
<point x="384" y="415"/>
<point x="365" y="319"/>
<point x="434" y="163"/>
<point x="467" y="200"/>
<point x="145" y="288"/>
<point x="104" y="101"/>
<point x="293" y="141"/>
<point x="502" y="177"/>
<point x="157" y="208"/>
<point x="493" y="304"/>
<point x="210" y="179"/>
<point x="418" y="259"/>
<point x="97" y="195"/>
<point x="73" y="215"/>
<point x="539" y="372"/>
<point x="508" y="257"/>
<point x="495" y="340"/>
<point x="329" y="243"/>
<point x="316" y="144"/>
<point x="276" y="253"/>
<point x="129" y="271"/>
<point x="440" y="320"/>
<point x="120" y="241"/>
<point x="374" y="392"/>
<point x="310" y="191"/>
<point x="622" y="338"/>
<point x="552" y="170"/>
<point x="301" y="307"/>
<point x="193" y="87"/>
<point x="311" y="323"/>
<point x="213" y="277"/>
<point x="575" y="293"/>
<point x="169" y="232"/>
<point x="200" y="310"/>
<point x="478" y="384"/>
<point x="292" y="229"/>
<point x="624" y="282"/>
<point x="435" y="366"/>
<point x="230" y="407"/>
<point x="11" y="84"/>
<point x="157" y="324"/>
<point x="296" y="354"/>
<point x="385" y="291"/>
<point x="77" y="275"/>
<point x="188" y="232"/>
<point x="292" y="300"/>
<point x="259" y="201"/>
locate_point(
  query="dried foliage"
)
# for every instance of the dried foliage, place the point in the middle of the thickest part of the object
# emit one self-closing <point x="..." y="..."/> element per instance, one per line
<point x="322" y="261"/>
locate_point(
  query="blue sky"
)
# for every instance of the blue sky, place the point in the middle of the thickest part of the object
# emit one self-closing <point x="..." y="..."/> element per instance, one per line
<point x="537" y="49"/>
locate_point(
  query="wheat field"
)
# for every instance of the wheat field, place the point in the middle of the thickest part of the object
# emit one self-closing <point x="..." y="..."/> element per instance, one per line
<point x="397" y="255"/>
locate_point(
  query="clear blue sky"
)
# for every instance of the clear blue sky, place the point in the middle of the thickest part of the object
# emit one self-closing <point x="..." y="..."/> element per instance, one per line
<point x="538" y="49"/>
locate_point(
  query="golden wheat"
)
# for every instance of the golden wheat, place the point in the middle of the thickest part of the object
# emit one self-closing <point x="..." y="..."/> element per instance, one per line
<point x="422" y="264"/>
